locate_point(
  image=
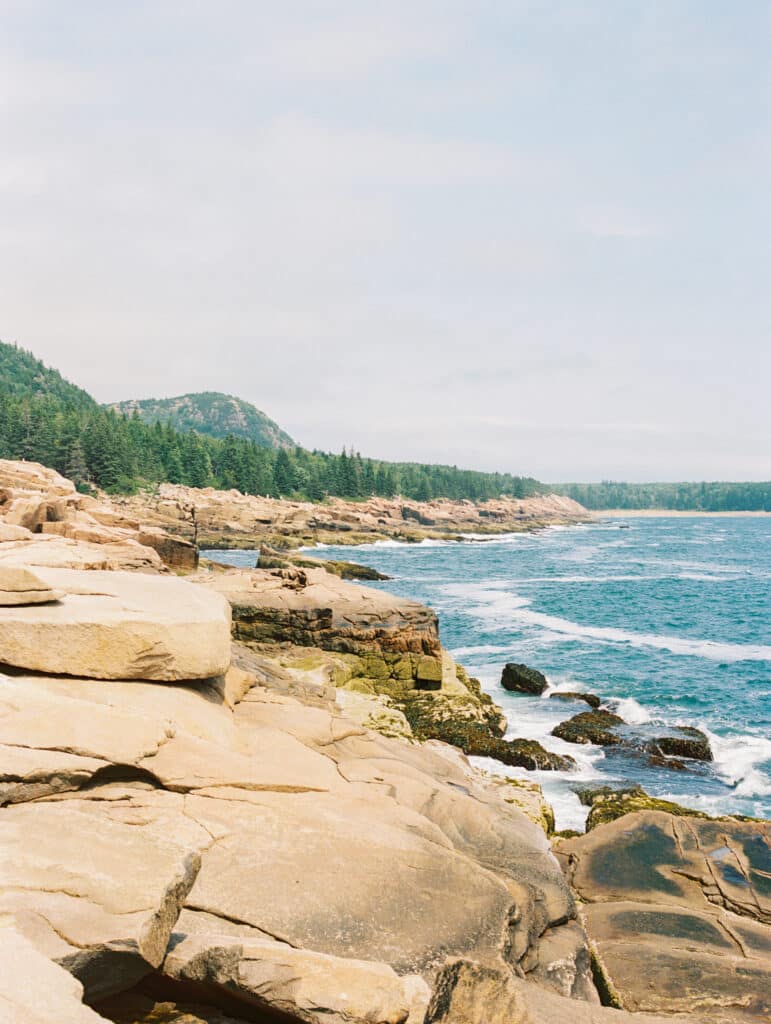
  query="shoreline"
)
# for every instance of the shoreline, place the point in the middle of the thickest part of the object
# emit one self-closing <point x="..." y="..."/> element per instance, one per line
<point x="671" y="513"/>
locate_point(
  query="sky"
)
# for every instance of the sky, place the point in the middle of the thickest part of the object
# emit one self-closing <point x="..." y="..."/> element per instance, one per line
<point x="530" y="236"/>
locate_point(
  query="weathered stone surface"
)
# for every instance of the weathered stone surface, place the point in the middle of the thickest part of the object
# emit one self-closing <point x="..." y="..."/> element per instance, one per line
<point x="93" y="891"/>
<point x="312" y="608"/>
<point x="12" y="533"/>
<point x="527" y="797"/>
<point x="273" y="976"/>
<point x="472" y="993"/>
<point x="33" y="990"/>
<point x="678" y="910"/>
<point x="310" y="829"/>
<point x="374" y="712"/>
<point x="19" y="586"/>
<point x="174" y="551"/>
<point x="119" y="626"/>
<point x="46" y="550"/>
<point x="522" y="679"/>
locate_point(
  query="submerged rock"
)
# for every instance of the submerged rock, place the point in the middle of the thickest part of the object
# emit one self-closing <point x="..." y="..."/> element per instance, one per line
<point x="521" y="679"/>
<point x="588" y="698"/>
<point x="590" y="727"/>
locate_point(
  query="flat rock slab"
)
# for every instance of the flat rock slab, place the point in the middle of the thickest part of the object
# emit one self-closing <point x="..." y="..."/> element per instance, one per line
<point x="97" y="885"/>
<point x="679" y="912"/>
<point x="19" y="586"/>
<point x="116" y="625"/>
<point x="33" y="990"/>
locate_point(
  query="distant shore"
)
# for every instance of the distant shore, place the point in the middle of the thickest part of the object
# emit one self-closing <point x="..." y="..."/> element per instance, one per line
<point x="634" y="513"/>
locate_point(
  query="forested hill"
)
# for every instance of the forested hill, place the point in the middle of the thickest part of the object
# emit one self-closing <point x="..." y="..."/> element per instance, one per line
<point x="685" y="497"/>
<point x="212" y="413"/>
<point x="21" y="374"/>
<point x="46" y="419"/>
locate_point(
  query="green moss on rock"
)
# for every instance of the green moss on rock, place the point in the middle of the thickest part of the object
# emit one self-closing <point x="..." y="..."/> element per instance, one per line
<point x="590" y="727"/>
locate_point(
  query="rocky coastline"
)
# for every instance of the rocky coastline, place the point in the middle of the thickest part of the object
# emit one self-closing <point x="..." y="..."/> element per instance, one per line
<point x="244" y="794"/>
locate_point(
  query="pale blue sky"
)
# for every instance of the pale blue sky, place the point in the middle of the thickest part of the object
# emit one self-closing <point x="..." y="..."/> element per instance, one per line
<point x="531" y="236"/>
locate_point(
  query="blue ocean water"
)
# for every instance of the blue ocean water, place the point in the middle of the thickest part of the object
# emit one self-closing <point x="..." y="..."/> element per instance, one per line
<point x="668" y="620"/>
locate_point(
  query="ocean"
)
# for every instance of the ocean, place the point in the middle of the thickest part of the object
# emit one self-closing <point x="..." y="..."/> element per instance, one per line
<point x="667" y="620"/>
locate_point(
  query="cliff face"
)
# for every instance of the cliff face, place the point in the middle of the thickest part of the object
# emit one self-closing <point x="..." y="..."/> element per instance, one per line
<point x="202" y="830"/>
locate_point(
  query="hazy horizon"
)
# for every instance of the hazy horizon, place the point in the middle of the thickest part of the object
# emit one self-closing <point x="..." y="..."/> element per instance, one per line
<point x="532" y="240"/>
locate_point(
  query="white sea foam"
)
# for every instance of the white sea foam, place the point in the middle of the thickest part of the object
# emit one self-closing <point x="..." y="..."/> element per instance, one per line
<point x="737" y="761"/>
<point x="628" y="708"/>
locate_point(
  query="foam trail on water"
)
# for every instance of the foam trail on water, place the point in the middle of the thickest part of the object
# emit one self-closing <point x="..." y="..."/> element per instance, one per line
<point x="494" y="607"/>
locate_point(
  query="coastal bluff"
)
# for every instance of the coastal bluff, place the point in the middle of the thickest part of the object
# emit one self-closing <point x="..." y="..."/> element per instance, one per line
<point x="219" y="804"/>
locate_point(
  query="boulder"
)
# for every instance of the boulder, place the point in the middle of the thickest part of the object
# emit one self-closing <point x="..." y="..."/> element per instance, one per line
<point x="590" y="727"/>
<point x="19" y="586"/>
<point x="119" y="626"/>
<point x="678" y="911"/>
<point x="272" y="976"/>
<point x="682" y="741"/>
<point x="175" y="552"/>
<point x="521" y="679"/>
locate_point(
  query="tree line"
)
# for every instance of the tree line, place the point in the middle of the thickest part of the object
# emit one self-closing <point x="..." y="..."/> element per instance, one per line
<point x="699" y="497"/>
<point x="93" y="445"/>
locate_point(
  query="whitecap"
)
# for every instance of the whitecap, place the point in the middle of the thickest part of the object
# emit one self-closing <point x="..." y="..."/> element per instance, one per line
<point x="737" y="761"/>
<point x="629" y="709"/>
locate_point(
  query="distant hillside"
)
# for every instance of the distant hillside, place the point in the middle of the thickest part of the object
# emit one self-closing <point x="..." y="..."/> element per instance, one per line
<point x="709" y="496"/>
<point x="24" y="376"/>
<point x="211" y="413"/>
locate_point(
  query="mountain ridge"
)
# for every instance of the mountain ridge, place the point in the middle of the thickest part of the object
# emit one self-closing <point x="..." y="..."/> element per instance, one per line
<point x="213" y="413"/>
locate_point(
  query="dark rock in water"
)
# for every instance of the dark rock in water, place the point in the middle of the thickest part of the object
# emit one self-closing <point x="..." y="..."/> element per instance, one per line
<point x="521" y="679"/>
<point x="588" y="698"/>
<point x="478" y="739"/>
<point x="685" y="741"/>
<point x="531" y="755"/>
<point x="590" y="727"/>
<point x="270" y="558"/>
<point x="672" y="763"/>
